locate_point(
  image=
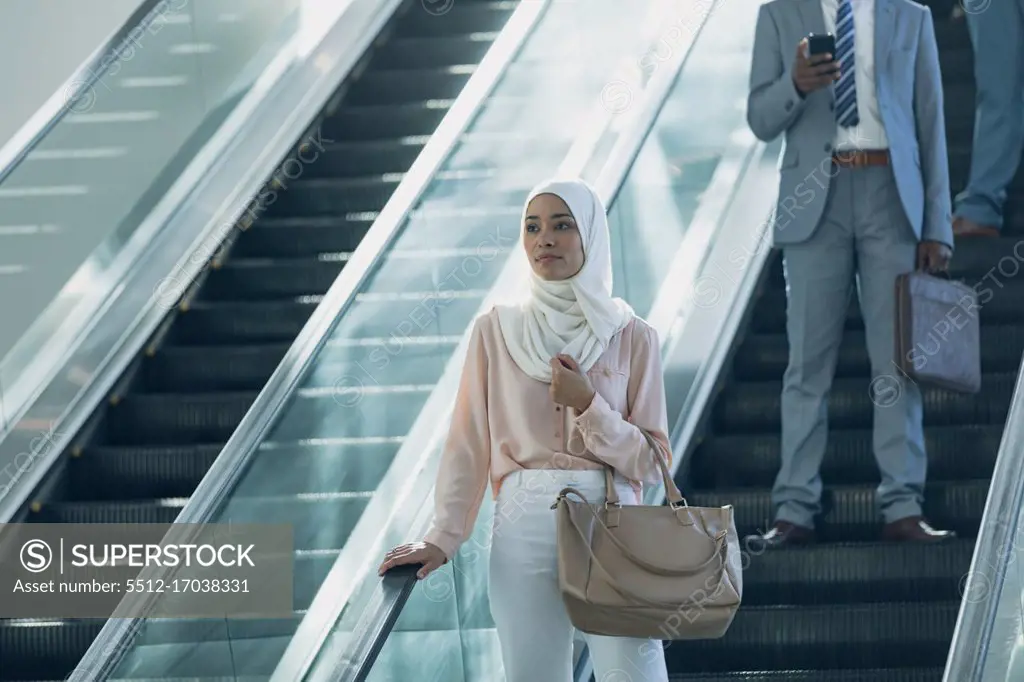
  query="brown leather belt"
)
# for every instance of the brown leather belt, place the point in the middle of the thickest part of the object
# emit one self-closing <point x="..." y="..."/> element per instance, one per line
<point x="858" y="158"/>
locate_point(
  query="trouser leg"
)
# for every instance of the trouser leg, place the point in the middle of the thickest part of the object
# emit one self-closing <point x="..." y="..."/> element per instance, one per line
<point x="819" y="283"/>
<point x="534" y="630"/>
<point x="997" y="37"/>
<point x="886" y="248"/>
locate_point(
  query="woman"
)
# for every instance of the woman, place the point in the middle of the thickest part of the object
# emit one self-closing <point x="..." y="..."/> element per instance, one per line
<point x="549" y="395"/>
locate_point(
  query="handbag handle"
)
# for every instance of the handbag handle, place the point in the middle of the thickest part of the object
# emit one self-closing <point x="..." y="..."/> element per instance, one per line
<point x="675" y="498"/>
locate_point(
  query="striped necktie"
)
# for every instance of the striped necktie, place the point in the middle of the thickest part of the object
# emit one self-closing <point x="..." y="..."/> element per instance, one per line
<point x="845" y="90"/>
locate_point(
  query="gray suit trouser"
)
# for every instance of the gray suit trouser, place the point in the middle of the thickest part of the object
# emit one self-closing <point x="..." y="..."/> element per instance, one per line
<point x="997" y="34"/>
<point x="864" y="239"/>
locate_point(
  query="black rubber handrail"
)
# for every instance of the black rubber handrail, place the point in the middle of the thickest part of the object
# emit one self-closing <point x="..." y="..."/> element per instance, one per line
<point x="388" y="600"/>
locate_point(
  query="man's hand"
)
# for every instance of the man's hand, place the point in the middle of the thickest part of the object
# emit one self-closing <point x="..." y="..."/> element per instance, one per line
<point x="933" y="257"/>
<point x="570" y="385"/>
<point x="814" y="73"/>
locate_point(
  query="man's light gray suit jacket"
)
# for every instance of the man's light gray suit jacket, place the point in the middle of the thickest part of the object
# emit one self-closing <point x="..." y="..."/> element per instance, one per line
<point x="909" y="92"/>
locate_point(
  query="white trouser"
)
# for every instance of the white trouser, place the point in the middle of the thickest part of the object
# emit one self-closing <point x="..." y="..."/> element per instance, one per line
<point x="534" y="630"/>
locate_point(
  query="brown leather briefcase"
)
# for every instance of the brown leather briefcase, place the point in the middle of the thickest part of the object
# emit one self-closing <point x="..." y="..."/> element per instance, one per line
<point x="937" y="332"/>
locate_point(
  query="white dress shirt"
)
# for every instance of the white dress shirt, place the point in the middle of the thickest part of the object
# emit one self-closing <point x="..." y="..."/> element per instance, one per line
<point x="870" y="132"/>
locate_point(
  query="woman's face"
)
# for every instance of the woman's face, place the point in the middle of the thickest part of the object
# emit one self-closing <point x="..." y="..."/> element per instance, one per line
<point x="552" y="239"/>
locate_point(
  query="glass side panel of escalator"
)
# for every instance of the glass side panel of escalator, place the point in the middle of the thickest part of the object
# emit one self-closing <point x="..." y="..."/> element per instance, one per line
<point x="1003" y="657"/>
<point x="71" y="205"/>
<point x="445" y="632"/>
<point x="337" y="437"/>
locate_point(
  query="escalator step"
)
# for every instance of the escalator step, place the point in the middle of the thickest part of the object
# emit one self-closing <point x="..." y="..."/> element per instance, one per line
<point x="377" y="123"/>
<point x="301" y="237"/>
<point x="850" y="512"/>
<point x="822" y="637"/>
<point x="431" y="53"/>
<point x="176" y="418"/>
<point x="237" y="323"/>
<point x="252" y="279"/>
<point x="999" y="303"/>
<point x="765" y="356"/>
<point x="357" y="159"/>
<point x="211" y="368"/>
<point x="39" y="649"/>
<point x="951" y="35"/>
<point x="886" y="675"/>
<point x="307" y="198"/>
<point x="958" y="99"/>
<point x="752" y="407"/>
<point x="957" y="65"/>
<point x="111" y="473"/>
<point x="454" y="18"/>
<point x="405" y="86"/>
<point x="855" y="573"/>
<point x="149" y="511"/>
<point x="318" y="197"/>
<point x="954" y="452"/>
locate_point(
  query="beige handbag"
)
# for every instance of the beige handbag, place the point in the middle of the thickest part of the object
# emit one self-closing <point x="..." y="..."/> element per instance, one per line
<point x="663" y="572"/>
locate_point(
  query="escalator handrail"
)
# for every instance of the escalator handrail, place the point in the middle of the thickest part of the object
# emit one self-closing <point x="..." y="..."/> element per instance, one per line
<point x="216" y="486"/>
<point x="994" y="550"/>
<point x="79" y="84"/>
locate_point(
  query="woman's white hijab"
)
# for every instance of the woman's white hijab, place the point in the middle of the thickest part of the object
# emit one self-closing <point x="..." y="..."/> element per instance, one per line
<point x="577" y="316"/>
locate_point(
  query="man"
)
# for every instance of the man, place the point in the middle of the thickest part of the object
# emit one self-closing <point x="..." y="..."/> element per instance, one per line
<point x="864" y="191"/>
<point x="997" y="35"/>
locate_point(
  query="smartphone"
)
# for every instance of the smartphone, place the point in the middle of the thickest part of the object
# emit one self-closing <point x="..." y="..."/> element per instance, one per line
<point x="818" y="43"/>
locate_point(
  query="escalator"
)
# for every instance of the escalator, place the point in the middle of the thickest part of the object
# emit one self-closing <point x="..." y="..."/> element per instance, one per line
<point x="143" y="454"/>
<point x="850" y="607"/>
<point x="846" y="609"/>
<point x="326" y="457"/>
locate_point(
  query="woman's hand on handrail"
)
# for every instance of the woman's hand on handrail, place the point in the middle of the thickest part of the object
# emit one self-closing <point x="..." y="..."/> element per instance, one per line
<point x="424" y="553"/>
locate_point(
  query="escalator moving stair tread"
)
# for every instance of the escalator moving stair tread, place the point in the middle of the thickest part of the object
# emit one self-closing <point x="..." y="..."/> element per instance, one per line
<point x="877" y="635"/>
<point x="886" y="675"/>
<point x="848" y="456"/>
<point x="852" y="509"/>
<point x="851" y="607"/>
<point x="849" y="573"/>
<point x="757" y="406"/>
<point x="155" y="444"/>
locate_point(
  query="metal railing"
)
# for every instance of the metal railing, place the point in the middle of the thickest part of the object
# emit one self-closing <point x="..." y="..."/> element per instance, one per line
<point x="982" y="587"/>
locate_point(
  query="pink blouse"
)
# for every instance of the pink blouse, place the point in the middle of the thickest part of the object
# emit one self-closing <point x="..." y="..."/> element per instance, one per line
<point x="504" y="421"/>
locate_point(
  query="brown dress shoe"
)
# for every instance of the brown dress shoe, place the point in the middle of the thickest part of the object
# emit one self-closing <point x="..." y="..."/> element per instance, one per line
<point x="962" y="227"/>
<point x="914" y="529"/>
<point x="782" y="534"/>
